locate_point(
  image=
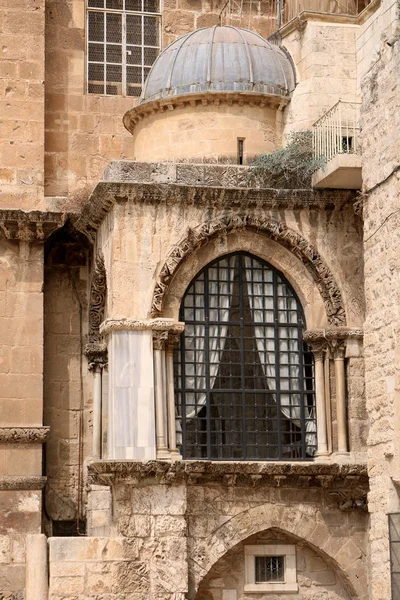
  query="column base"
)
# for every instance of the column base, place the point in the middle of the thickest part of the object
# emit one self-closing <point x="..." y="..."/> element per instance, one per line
<point x="342" y="457"/>
<point x="163" y="454"/>
<point x="175" y="455"/>
<point x="323" y="456"/>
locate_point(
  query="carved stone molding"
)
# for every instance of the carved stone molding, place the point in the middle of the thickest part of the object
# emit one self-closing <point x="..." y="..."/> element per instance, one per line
<point x="96" y="349"/>
<point x="160" y="324"/>
<point x="8" y="482"/>
<point x="160" y="340"/>
<point x="335" y="333"/>
<point x="29" y="226"/>
<point x="139" y="112"/>
<point x="23" y="435"/>
<point x="275" y="230"/>
<point x="333" y="477"/>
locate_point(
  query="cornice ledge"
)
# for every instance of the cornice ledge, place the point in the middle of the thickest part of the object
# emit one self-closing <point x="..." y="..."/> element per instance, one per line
<point x="158" y="324"/>
<point x="333" y="477"/>
<point x="24" y="435"/>
<point x="168" y="103"/>
<point x="29" y="226"/>
<point x="240" y="193"/>
<point x="8" y="482"/>
<point x="334" y="333"/>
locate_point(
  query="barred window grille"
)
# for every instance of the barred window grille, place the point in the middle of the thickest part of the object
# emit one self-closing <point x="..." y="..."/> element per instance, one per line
<point x="394" y="542"/>
<point x="244" y="378"/>
<point x="123" y="41"/>
<point x="269" y="569"/>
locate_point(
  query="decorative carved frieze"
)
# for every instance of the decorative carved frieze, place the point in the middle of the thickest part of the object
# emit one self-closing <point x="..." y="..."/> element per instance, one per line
<point x="96" y="349"/>
<point x="29" y="226"/>
<point x="344" y="480"/>
<point x="23" y="435"/>
<point x="275" y="230"/>
<point x="160" y="324"/>
<point x="231" y="187"/>
<point x="334" y="333"/>
<point x="8" y="482"/>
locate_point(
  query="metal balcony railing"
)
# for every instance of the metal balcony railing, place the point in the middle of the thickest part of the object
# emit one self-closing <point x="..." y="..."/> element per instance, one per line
<point x="290" y="9"/>
<point x="337" y="131"/>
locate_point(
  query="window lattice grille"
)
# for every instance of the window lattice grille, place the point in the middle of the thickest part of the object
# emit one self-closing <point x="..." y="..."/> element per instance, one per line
<point x="394" y="541"/>
<point x="244" y="378"/>
<point x="123" y="41"/>
<point x="269" y="569"/>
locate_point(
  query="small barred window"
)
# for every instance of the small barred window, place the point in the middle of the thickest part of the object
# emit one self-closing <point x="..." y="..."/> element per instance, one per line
<point x="269" y="568"/>
<point x="123" y="41"/>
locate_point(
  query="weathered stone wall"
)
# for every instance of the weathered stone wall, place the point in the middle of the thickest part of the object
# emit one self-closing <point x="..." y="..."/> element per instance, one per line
<point x="381" y="160"/>
<point x="207" y="133"/>
<point x="67" y="382"/>
<point x="182" y="536"/>
<point x="325" y="60"/>
<point x="21" y="406"/>
<point x="21" y="104"/>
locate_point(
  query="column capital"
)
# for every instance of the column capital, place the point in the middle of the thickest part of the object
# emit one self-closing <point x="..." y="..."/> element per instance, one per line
<point x="160" y="340"/>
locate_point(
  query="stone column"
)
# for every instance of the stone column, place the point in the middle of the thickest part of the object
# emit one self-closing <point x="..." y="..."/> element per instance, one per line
<point x="339" y="355"/>
<point x="97" y="412"/>
<point x="159" y="342"/>
<point x="131" y="395"/>
<point x="36" y="567"/>
<point x="172" y="340"/>
<point x="319" y="354"/>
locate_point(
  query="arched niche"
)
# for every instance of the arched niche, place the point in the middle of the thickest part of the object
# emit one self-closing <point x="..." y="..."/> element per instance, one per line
<point x="303" y="526"/>
<point x="263" y="247"/>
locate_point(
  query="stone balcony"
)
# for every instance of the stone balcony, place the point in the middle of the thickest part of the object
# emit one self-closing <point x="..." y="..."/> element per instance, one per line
<point x="336" y="141"/>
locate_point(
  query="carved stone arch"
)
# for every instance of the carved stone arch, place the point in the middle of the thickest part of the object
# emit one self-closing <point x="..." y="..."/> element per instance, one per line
<point x="96" y="349"/>
<point x="275" y="230"/>
<point x="335" y="547"/>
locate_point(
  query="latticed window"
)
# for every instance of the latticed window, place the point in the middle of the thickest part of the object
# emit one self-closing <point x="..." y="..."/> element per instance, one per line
<point x="244" y="377"/>
<point x="123" y="41"/>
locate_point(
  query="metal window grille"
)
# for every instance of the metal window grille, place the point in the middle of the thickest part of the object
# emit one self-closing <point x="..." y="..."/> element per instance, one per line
<point x="269" y="569"/>
<point x="123" y="41"/>
<point x="244" y="390"/>
<point x="394" y="541"/>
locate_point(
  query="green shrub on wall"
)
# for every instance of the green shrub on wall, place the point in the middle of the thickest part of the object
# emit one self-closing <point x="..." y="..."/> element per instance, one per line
<point x="291" y="166"/>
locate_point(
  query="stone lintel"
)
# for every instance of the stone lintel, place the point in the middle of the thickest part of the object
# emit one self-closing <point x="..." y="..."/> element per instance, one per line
<point x="8" y="482"/>
<point x="159" y="324"/>
<point x="24" y="435"/>
<point x="29" y="226"/>
<point x="340" y="479"/>
<point x="232" y="188"/>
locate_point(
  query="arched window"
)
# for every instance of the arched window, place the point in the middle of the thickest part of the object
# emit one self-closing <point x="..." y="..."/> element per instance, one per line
<point x="244" y="377"/>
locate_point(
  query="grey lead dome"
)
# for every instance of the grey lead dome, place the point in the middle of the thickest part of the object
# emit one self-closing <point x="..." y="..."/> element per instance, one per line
<point x="220" y="59"/>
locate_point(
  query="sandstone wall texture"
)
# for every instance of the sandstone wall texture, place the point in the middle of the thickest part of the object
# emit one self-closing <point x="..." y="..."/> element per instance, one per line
<point x="67" y="381"/>
<point x="325" y="59"/>
<point x="21" y="406"/>
<point x="187" y="541"/>
<point x="22" y="104"/>
<point x="381" y="160"/>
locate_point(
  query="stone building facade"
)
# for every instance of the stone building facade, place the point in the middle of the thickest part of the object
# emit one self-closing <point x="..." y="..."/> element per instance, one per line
<point x="140" y="457"/>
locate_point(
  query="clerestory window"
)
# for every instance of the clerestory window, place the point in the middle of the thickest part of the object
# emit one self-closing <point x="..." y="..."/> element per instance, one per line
<point x="123" y="41"/>
<point x="244" y="378"/>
